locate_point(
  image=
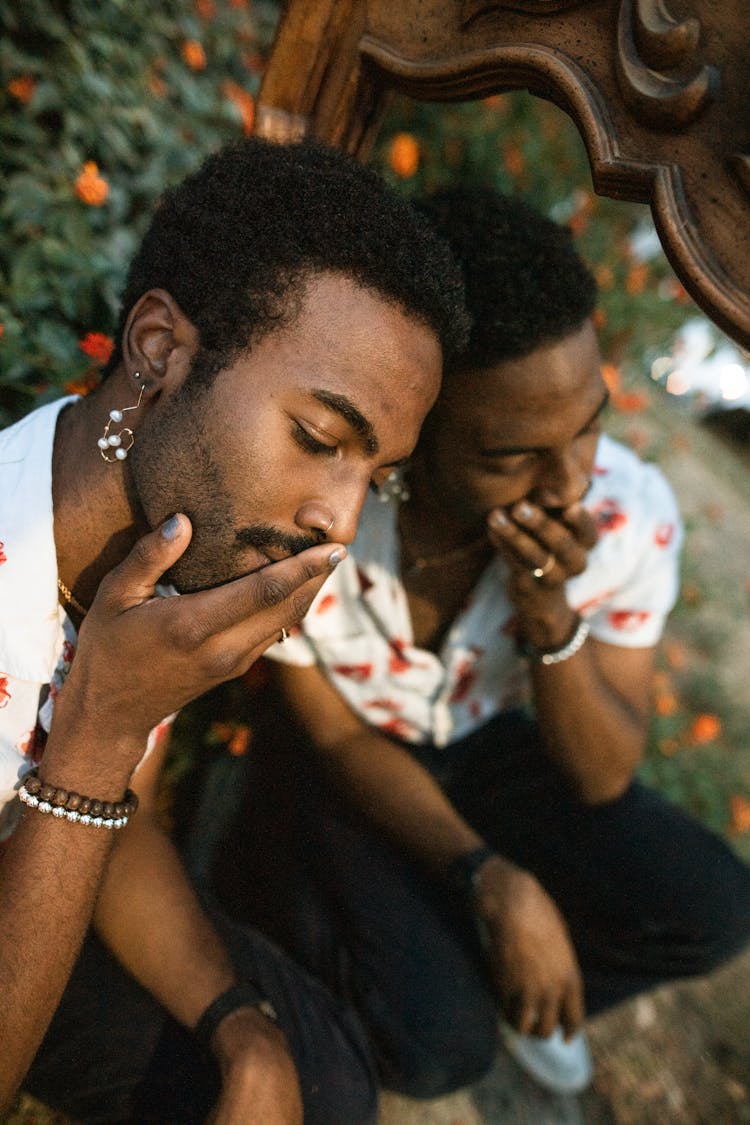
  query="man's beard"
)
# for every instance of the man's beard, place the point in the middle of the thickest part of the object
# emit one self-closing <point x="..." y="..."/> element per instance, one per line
<point x="192" y="572"/>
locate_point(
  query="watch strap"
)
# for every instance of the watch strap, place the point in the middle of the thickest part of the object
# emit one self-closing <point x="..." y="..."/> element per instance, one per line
<point x="244" y="995"/>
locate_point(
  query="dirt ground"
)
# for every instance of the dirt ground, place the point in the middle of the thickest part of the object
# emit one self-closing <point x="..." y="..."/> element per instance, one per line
<point x="679" y="1056"/>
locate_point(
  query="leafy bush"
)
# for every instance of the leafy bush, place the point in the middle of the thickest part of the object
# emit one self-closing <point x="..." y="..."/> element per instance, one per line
<point x="102" y="105"/>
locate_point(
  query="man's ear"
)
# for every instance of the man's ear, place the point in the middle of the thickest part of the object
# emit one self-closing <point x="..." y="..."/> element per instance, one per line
<point x="159" y="340"/>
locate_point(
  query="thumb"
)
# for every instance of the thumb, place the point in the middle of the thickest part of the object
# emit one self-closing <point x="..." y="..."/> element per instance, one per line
<point x="137" y="575"/>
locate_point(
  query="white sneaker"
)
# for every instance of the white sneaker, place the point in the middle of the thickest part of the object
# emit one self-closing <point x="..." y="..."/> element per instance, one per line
<point x="560" y="1066"/>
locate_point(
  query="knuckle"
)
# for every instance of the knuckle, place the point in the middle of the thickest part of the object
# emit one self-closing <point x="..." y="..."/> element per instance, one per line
<point x="222" y="662"/>
<point x="272" y="590"/>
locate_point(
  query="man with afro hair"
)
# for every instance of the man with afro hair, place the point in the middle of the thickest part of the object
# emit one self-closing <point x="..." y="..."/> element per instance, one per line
<point x="279" y="346"/>
<point x="474" y="695"/>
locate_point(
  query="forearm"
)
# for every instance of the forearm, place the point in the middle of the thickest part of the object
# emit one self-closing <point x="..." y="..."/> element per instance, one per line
<point x="591" y="730"/>
<point x="400" y="798"/>
<point x="150" y="918"/>
<point x="49" y="877"/>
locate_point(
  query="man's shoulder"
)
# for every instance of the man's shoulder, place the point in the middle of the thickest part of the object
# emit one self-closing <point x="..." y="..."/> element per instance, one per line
<point x="619" y="472"/>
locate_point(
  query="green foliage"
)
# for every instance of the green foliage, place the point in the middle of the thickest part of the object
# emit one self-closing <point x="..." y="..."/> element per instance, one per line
<point x="517" y="143"/>
<point x="142" y="90"/>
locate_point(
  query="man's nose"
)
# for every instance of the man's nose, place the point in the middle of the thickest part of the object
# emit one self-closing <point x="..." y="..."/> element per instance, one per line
<point x="335" y="519"/>
<point x="562" y="481"/>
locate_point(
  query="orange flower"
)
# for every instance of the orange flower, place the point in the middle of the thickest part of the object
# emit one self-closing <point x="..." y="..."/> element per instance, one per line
<point x="98" y="346"/>
<point x="403" y="155"/>
<point x="739" y="809"/>
<point x="91" y="188"/>
<point x="665" y="704"/>
<point x="84" y="385"/>
<point x="612" y="378"/>
<point x="514" y="160"/>
<point x="605" y="277"/>
<point x="22" y="88"/>
<point x="705" y="728"/>
<point x="599" y="317"/>
<point x="205" y="9"/>
<point x="2" y="331"/>
<point x="193" y="54"/>
<point x="156" y="85"/>
<point x="637" y="277"/>
<point x="578" y="223"/>
<point x="630" y="402"/>
<point x="496" y="101"/>
<point x="244" y="102"/>
<point x="240" y="741"/>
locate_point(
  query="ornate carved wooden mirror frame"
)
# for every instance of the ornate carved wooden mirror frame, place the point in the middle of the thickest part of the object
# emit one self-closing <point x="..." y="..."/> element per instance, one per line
<point x="659" y="90"/>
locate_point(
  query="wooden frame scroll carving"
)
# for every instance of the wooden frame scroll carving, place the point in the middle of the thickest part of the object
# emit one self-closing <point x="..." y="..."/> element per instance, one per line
<point x="659" y="90"/>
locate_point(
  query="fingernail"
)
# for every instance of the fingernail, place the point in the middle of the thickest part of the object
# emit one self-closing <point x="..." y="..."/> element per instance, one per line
<point x="498" y="518"/>
<point x="171" y="528"/>
<point x="336" y="557"/>
<point x="523" y="510"/>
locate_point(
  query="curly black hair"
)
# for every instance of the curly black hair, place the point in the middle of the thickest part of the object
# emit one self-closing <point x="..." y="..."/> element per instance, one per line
<point x="525" y="283"/>
<point x="235" y="242"/>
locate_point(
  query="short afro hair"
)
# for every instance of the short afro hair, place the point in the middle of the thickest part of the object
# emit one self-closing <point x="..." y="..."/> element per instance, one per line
<point x="526" y="285"/>
<point x="236" y="241"/>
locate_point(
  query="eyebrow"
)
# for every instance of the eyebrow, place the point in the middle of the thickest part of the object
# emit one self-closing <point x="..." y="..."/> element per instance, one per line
<point x="346" y="409"/>
<point x="511" y="451"/>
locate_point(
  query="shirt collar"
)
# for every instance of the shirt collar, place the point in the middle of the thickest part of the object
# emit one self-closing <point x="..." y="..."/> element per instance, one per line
<point x="30" y="614"/>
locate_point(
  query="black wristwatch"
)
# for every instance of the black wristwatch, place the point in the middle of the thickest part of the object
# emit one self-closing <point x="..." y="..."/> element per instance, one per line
<point x="245" y="995"/>
<point x="463" y="873"/>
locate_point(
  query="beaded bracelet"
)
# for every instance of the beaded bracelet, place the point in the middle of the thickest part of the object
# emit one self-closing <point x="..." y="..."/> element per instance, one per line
<point x="564" y="652"/>
<point x="37" y="794"/>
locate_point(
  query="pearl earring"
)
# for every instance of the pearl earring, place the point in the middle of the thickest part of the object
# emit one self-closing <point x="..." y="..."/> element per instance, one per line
<point x="120" y="443"/>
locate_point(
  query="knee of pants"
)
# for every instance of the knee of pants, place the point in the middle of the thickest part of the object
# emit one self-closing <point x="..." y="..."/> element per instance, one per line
<point x="440" y="1059"/>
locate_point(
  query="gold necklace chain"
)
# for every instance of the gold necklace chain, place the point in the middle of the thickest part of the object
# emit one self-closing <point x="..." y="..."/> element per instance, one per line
<point x="426" y="562"/>
<point x="70" y="599"/>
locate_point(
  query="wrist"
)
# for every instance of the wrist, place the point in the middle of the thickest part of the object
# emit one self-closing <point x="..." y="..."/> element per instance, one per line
<point x="556" y="653"/>
<point x="214" y="1029"/>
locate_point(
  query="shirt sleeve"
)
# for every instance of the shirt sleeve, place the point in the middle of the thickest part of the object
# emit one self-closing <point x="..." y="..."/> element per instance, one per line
<point x="633" y="615"/>
<point x="19" y="704"/>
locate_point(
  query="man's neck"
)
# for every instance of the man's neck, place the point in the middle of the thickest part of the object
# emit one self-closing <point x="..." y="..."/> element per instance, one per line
<point x="92" y="518"/>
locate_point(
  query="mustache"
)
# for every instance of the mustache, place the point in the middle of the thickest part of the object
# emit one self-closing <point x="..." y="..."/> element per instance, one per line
<point x="264" y="535"/>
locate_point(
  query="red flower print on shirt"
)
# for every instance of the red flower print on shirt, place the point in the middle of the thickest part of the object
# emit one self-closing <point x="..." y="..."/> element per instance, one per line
<point x="364" y="582"/>
<point x="398" y="662"/>
<point x="599" y="471"/>
<point x="465" y="679"/>
<point x="594" y="601"/>
<point x="360" y="673"/>
<point x="628" y="620"/>
<point x="609" y="515"/>
<point x="399" y="728"/>
<point x="475" y="709"/>
<point x="384" y="704"/>
<point x="326" y="603"/>
<point x="4" y="693"/>
<point x="68" y="653"/>
<point x="3" y="556"/>
<point x="663" y="534"/>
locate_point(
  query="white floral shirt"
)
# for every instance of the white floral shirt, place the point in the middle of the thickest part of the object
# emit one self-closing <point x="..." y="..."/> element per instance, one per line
<point x="37" y="639"/>
<point x="359" y="630"/>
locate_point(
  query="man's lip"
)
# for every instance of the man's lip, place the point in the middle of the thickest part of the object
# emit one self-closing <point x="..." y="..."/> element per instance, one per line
<point x="273" y="554"/>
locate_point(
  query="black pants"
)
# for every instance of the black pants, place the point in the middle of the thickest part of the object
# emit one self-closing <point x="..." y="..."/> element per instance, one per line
<point x="648" y="894"/>
<point x="113" y="1055"/>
